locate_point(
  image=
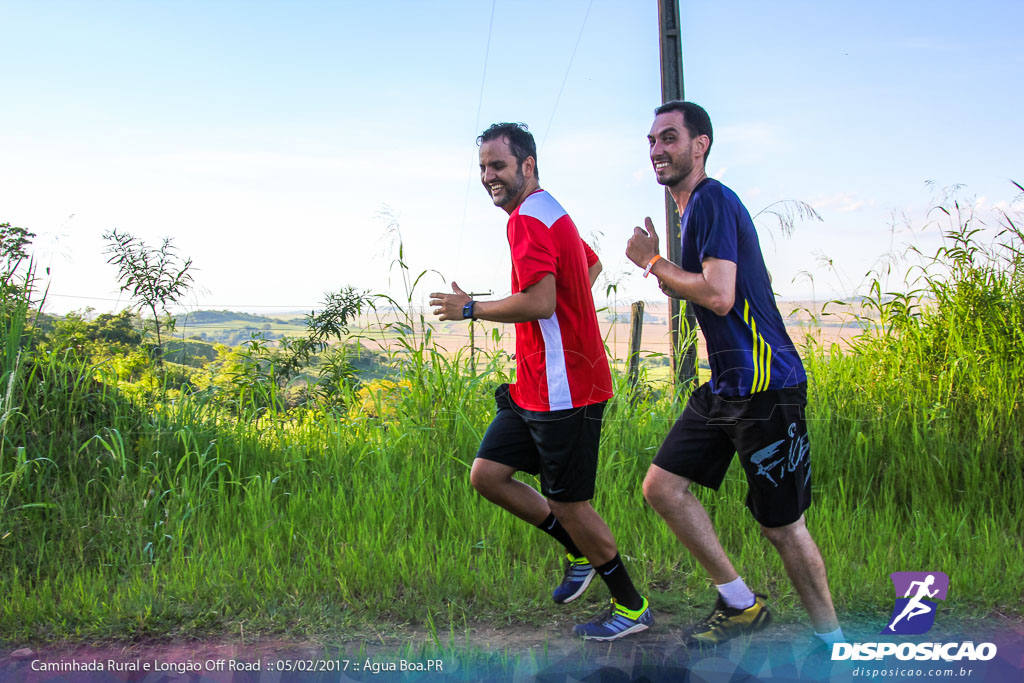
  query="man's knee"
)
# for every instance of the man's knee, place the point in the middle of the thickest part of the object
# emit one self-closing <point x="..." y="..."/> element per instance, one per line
<point x="486" y="476"/>
<point x="662" y="489"/>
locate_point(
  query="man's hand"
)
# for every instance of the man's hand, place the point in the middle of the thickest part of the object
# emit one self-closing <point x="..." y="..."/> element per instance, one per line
<point x="643" y="245"/>
<point x="449" y="306"/>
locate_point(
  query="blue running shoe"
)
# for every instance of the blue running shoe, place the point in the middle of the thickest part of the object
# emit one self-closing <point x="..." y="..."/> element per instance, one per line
<point x="616" y="622"/>
<point x="578" y="575"/>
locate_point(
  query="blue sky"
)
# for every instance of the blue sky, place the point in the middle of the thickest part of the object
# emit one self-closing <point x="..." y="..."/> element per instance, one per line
<point x="269" y="138"/>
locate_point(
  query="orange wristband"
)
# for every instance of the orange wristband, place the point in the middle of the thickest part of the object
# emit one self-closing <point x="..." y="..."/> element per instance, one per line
<point x="647" y="270"/>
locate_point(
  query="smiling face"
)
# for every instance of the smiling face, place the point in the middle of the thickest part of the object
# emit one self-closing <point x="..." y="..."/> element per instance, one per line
<point x="502" y="176"/>
<point x="674" y="154"/>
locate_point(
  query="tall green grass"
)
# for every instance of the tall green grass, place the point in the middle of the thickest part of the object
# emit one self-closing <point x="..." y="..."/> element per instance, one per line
<point x="125" y="519"/>
<point x="920" y="426"/>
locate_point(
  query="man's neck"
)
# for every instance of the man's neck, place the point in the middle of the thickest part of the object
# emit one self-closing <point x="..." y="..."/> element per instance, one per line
<point x="529" y="189"/>
<point x="681" y="191"/>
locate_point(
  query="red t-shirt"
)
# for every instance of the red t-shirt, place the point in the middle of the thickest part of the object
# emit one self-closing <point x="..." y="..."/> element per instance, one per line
<point x="560" y="361"/>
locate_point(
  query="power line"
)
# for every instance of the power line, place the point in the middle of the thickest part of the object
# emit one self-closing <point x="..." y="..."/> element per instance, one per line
<point x="566" y="77"/>
<point x="75" y="296"/>
<point x="476" y="127"/>
<point x="288" y="306"/>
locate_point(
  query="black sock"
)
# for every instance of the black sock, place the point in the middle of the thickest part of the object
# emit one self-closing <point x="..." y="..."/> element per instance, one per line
<point x="553" y="528"/>
<point x="615" y="575"/>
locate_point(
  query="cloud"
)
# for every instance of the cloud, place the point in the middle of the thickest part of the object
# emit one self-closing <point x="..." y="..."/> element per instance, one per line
<point x="842" y="202"/>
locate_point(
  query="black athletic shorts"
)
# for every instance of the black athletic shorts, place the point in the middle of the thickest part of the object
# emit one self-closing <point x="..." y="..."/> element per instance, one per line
<point x="768" y="431"/>
<point x="560" y="445"/>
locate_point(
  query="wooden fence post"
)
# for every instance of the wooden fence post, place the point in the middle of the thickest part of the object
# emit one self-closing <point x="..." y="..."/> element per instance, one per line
<point x="636" y="324"/>
<point x="472" y="340"/>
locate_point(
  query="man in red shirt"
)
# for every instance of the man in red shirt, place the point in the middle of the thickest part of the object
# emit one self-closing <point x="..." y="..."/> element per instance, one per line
<point x="549" y="422"/>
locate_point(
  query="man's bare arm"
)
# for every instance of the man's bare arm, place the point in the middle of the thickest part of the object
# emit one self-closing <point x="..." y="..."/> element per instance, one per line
<point x="594" y="271"/>
<point x="536" y="302"/>
<point x="713" y="288"/>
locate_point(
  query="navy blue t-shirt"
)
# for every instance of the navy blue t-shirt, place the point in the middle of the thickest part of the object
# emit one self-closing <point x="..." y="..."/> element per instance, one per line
<point x="748" y="348"/>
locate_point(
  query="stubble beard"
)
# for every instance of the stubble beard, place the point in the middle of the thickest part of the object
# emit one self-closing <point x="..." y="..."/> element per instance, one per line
<point x="511" y="192"/>
<point x="678" y="173"/>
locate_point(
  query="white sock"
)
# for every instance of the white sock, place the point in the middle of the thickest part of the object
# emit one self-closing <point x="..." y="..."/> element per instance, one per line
<point x="736" y="594"/>
<point x="832" y="637"/>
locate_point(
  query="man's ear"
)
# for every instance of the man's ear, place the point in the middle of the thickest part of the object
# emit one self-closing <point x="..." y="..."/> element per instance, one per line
<point x="529" y="167"/>
<point x="700" y="145"/>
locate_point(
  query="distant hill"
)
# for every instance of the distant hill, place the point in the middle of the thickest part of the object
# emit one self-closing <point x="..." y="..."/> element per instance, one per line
<point x="191" y="352"/>
<point x="234" y="327"/>
<point x="201" y="317"/>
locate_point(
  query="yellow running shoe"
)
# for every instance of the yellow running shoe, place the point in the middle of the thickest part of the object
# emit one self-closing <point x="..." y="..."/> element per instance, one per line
<point x="726" y="622"/>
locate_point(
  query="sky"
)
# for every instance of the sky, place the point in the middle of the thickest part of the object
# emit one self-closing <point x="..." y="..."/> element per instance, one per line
<point x="280" y="144"/>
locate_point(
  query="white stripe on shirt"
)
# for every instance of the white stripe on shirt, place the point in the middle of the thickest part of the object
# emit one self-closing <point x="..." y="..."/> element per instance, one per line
<point x="559" y="397"/>
<point x="543" y="207"/>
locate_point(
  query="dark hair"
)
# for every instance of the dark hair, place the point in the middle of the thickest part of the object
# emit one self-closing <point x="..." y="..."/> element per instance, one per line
<point x="695" y="119"/>
<point x="520" y="141"/>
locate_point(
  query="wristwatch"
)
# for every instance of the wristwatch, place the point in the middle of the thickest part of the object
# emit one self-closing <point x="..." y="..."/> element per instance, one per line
<point x="467" y="310"/>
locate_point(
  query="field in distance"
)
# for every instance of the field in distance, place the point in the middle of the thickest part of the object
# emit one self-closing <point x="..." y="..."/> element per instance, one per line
<point x="232" y="328"/>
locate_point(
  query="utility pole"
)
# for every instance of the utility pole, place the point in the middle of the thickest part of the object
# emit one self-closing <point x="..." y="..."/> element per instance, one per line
<point x="684" y="360"/>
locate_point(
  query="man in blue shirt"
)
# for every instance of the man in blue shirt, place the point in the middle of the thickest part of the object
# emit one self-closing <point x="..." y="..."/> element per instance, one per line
<point x="755" y="400"/>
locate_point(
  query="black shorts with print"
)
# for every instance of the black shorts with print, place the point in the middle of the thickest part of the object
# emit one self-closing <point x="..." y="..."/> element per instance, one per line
<point x="768" y="431"/>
